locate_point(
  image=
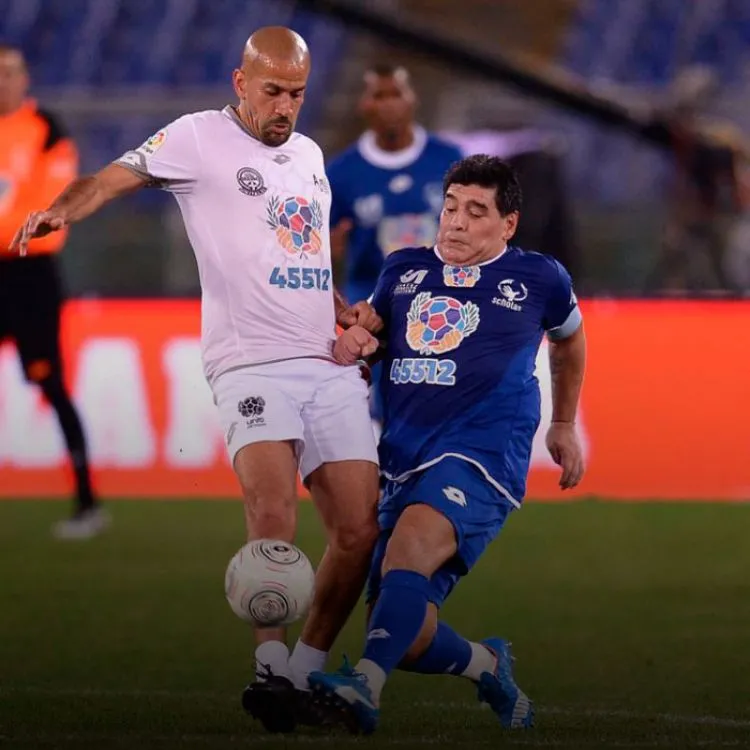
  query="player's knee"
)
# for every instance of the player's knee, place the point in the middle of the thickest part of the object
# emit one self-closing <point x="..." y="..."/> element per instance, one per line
<point x="270" y="514"/>
<point x="53" y="389"/>
<point x="422" y="541"/>
<point x="355" y="536"/>
<point x="272" y="522"/>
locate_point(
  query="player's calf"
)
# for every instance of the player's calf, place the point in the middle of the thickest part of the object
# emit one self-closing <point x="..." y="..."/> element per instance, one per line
<point x="345" y="494"/>
<point x="421" y="542"/>
<point x="267" y="475"/>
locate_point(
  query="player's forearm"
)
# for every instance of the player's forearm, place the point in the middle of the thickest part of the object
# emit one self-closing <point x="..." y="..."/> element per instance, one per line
<point x="88" y="194"/>
<point x="567" y="359"/>
<point x="339" y="303"/>
<point x="79" y="200"/>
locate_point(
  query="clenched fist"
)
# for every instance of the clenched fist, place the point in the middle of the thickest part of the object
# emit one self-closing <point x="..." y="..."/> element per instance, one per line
<point x="354" y="344"/>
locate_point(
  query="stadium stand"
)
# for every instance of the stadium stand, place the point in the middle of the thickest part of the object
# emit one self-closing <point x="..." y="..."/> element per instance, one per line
<point x="642" y="45"/>
<point x="129" y="47"/>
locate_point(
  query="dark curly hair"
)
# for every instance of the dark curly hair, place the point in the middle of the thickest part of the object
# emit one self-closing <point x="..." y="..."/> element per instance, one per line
<point x="488" y="172"/>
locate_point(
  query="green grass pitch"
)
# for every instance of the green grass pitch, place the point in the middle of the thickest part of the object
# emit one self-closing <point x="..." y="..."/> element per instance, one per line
<point x="630" y="624"/>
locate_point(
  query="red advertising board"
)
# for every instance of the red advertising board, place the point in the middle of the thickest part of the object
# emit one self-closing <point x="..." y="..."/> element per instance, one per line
<point x="665" y="412"/>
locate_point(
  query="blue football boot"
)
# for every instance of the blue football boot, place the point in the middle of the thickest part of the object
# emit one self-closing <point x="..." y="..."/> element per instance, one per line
<point x="345" y="693"/>
<point x="500" y="691"/>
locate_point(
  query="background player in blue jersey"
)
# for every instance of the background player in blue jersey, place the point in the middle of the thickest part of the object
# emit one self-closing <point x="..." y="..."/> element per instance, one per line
<point x="463" y="325"/>
<point x="386" y="188"/>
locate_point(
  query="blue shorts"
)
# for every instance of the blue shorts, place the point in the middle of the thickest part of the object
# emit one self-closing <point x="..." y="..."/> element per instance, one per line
<point x="460" y="492"/>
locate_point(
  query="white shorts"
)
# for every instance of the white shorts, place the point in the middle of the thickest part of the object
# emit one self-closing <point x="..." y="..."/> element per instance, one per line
<point x="320" y="405"/>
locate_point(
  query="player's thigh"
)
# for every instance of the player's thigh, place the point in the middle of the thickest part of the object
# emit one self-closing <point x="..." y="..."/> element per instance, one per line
<point x="459" y="494"/>
<point x="260" y="415"/>
<point x="338" y="427"/>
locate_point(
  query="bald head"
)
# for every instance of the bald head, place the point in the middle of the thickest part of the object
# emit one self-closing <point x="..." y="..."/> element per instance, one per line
<point x="275" y="45"/>
<point x="270" y="83"/>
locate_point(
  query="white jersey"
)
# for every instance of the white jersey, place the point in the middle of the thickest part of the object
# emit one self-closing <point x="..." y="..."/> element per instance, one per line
<point x="257" y="218"/>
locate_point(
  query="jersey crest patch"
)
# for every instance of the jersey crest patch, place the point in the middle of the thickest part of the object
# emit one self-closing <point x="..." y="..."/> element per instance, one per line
<point x="297" y="223"/>
<point x="439" y="324"/>
<point x="461" y="276"/>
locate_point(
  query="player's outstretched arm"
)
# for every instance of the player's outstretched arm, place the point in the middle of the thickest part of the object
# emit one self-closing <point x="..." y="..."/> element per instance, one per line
<point x="567" y="365"/>
<point x="80" y="199"/>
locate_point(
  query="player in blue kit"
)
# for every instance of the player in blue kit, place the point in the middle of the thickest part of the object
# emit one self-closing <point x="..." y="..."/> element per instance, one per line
<point x="463" y="325"/>
<point x="386" y="189"/>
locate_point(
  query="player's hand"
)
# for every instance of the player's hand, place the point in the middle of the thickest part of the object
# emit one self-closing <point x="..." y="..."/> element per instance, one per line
<point x="354" y="344"/>
<point x="361" y="314"/>
<point x="565" y="448"/>
<point x="37" y="224"/>
<point x="340" y="238"/>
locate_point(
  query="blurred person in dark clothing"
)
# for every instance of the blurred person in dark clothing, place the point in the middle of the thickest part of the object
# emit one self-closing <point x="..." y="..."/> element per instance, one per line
<point x="705" y="202"/>
<point x="37" y="160"/>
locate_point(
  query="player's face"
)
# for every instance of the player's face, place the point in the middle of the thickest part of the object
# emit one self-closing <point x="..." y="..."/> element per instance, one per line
<point x="472" y="230"/>
<point x="272" y="98"/>
<point x="14" y="81"/>
<point x="388" y="103"/>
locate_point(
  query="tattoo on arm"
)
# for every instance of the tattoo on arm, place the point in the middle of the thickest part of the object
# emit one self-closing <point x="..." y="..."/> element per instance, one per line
<point x="567" y="360"/>
<point x="74" y="201"/>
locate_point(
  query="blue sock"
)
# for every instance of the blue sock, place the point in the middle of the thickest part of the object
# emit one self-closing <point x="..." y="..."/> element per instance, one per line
<point x="397" y="617"/>
<point x="448" y="653"/>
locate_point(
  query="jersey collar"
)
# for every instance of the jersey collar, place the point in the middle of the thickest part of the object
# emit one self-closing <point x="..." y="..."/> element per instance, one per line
<point x="371" y="153"/>
<point x="484" y="263"/>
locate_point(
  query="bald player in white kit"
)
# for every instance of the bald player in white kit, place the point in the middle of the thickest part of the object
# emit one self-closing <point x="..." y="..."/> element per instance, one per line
<point x="255" y="201"/>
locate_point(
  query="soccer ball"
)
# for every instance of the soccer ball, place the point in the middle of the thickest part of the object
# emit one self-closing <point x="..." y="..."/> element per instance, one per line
<point x="269" y="583"/>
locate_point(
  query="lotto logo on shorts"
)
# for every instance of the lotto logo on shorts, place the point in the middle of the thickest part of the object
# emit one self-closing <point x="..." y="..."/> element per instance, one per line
<point x="252" y="409"/>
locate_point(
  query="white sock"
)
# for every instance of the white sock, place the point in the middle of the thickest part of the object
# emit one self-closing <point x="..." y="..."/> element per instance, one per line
<point x="305" y="659"/>
<point x="273" y="655"/>
<point x="482" y="660"/>
<point x="375" y="678"/>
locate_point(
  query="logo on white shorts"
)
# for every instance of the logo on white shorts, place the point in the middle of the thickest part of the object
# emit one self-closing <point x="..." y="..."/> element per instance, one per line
<point x="230" y="432"/>
<point x="455" y="495"/>
<point x="252" y="409"/>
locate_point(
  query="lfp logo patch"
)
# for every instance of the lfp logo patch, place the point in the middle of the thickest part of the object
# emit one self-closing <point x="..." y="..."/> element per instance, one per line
<point x="463" y="276"/>
<point x="439" y="324"/>
<point x="155" y="142"/>
<point x="297" y="224"/>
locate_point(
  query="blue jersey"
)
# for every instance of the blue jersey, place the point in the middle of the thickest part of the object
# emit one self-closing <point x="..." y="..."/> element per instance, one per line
<point x="393" y="199"/>
<point x="458" y="378"/>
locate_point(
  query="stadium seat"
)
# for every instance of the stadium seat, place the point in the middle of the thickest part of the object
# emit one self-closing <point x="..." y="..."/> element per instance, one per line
<point x="142" y="47"/>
